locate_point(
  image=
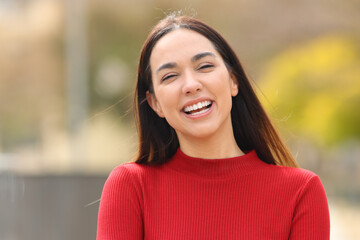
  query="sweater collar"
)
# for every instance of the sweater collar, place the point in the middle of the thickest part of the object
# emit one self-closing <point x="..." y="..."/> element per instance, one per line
<point x="215" y="168"/>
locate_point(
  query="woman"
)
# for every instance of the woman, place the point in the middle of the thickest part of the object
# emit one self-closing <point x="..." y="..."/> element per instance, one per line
<point x="210" y="163"/>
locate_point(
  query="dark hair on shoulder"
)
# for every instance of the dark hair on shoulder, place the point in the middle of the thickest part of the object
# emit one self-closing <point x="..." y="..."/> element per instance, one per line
<point x="252" y="127"/>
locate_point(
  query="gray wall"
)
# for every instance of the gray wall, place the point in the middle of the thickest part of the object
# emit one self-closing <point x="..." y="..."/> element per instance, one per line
<point x="49" y="207"/>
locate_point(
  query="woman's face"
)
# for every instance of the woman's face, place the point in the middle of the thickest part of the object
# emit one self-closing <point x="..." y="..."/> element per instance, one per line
<point x="192" y="86"/>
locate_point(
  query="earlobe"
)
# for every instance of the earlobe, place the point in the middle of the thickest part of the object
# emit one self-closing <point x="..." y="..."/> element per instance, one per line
<point x="234" y="86"/>
<point x="154" y="104"/>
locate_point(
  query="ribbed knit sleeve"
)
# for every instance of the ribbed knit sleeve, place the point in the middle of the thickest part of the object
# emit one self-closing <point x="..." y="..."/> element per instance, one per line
<point x="120" y="213"/>
<point x="311" y="215"/>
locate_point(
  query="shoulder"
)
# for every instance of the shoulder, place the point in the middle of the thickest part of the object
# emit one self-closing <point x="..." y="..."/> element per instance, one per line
<point x="126" y="169"/>
<point x="303" y="188"/>
<point x="133" y="173"/>
<point x="297" y="179"/>
<point x="127" y="172"/>
<point x="124" y="181"/>
<point x="295" y="174"/>
<point x="308" y="197"/>
<point x="121" y="204"/>
<point x="305" y="179"/>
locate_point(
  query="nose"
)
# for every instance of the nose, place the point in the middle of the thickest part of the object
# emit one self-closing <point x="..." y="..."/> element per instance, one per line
<point x="191" y="84"/>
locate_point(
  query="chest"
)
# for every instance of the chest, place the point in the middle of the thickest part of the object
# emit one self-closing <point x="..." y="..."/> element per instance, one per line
<point x="224" y="209"/>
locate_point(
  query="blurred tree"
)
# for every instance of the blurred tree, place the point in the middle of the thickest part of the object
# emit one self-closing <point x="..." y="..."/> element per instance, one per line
<point x="115" y="37"/>
<point x="315" y="87"/>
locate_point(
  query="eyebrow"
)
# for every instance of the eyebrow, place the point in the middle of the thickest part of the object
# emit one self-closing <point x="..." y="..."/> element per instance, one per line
<point x="193" y="59"/>
<point x="202" y="55"/>
<point x="166" y="65"/>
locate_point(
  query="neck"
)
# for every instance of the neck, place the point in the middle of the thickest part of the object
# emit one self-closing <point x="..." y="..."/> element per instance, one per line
<point x="211" y="150"/>
<point x="216" y="146"/>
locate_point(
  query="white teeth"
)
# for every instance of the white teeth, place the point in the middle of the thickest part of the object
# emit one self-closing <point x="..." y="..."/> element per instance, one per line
<point x="196" y="113"/>
<point x="197" y="106"/>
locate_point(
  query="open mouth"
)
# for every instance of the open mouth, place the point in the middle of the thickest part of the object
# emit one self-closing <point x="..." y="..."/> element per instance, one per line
<point x="198" y="108"/>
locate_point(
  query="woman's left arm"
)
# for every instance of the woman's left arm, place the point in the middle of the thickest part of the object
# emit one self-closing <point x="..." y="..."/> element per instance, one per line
<point x="311" y="218"/>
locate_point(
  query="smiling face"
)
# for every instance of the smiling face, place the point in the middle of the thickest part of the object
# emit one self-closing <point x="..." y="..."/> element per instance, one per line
<point x="192" y="86"/>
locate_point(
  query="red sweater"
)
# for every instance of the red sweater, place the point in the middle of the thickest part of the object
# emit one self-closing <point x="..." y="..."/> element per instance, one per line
<point x="192" y="198"/>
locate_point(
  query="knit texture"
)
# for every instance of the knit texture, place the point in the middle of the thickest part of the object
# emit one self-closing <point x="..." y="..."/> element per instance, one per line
<point x="193" y="198"/>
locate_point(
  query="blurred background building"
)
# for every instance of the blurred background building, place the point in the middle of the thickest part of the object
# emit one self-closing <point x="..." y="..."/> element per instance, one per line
<point x="67" y="74"/>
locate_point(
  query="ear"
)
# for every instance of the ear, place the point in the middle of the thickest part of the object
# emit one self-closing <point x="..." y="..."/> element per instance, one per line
<point x="154" y="104"/>
<point x="234" y="85"/>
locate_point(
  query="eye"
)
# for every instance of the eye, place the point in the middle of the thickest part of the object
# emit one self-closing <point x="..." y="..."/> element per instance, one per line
<point x="205" y="66"/>
<point x="169" y="76"/>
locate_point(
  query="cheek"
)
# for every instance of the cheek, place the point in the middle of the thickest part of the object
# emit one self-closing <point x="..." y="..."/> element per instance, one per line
<point x="167" y="100"/>
<point x="221" y="84"/>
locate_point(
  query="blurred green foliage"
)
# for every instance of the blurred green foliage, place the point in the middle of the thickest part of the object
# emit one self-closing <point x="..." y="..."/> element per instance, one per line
<point x="315" y="89"/>
<point x="110" y="37"/>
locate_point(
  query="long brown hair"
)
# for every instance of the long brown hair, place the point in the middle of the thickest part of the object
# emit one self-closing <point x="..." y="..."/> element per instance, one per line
<point x="252" y="127"/>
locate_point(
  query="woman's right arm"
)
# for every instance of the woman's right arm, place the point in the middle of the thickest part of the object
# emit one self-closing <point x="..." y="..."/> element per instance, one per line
<point x="120" y="214"/>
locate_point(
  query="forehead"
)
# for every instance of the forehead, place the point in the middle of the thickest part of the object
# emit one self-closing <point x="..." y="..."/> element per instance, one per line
<point x="179" y="44"/>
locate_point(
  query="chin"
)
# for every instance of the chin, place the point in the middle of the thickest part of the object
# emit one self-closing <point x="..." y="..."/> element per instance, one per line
<point x="200" y="134"/>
